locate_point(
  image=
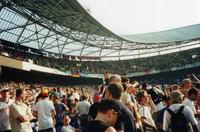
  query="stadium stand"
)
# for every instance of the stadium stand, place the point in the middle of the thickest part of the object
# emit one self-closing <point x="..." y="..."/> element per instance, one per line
<point x="59" y="68"/>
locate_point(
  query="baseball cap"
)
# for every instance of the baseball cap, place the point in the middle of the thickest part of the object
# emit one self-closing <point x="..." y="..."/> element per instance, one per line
<point x="133" y="85"/>
<point x="149" y="87"/>
<point x="45" y="92"/>
<point x="176" y="95"/>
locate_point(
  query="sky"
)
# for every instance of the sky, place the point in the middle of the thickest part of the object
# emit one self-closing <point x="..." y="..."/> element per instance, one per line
<point x="125" y="17"/>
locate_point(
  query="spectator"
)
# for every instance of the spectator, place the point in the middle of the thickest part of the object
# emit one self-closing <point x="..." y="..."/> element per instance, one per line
<point x="177" y="98"/>
<point x="145" y="109"/>
<point x="125" y="123"/>
<point x="20" y="113"/>
<point x="60" y="92"/>
<point x="93" y="107"/>
<point x="132" y="90"/>
<point x="76" y="94"/>
<point x="66" y="126"/>
<point x="83" y="110"/>
<point x="156" y="95"/>
<point x="175" y="87"/>
<point x="115" y="79"/>
<point x="83" y="106"/>
<point x="5" y="103"/>
<point x="60" y="109"/>
<point x="45" y="112"/>
<point x="185" y="86"/>
<point x="160" y="114"/>
<point x="107" y="114"/>
<point x="193" y="94"/>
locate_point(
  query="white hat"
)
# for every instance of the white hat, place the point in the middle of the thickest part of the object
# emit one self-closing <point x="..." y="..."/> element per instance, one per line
<point x="133" y="85"/>
<point x="149" y="87"/>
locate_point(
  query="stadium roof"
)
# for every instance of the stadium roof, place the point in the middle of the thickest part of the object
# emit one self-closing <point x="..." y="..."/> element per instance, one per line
<point x="65" y="27"/>
<point x="178" y="34"/>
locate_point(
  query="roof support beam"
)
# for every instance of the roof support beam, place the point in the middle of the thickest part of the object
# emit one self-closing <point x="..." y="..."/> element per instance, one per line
<point x="110" y="53"/>
<point x="45" y="38"/>
<point x="22" y="41"/>
<point x="65" y="43"/>
<point x="1" y="6"/>
<point x="84" y="44"/>
<point x="120" y="49"/>
<point x="15" y="27"/>
<point x="102" y="46"/>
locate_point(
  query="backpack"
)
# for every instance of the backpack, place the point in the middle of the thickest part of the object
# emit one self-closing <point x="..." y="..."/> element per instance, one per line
<point x="178" y="121"/>
<point x="154" y="95"/>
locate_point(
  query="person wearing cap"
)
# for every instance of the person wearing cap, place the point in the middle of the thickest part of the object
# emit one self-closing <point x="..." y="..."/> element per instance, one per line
<point x="177" y="99"/>
<point x="128" y="99"/>
<point x="156" y="96"/>
<point x="132" y="89"/>
<point x="107" y="114"/>
<point x="45" y="112"/>
<point x="186" y="85"/>
<point x="20" y="114"/>
<point x="5" y="103"/>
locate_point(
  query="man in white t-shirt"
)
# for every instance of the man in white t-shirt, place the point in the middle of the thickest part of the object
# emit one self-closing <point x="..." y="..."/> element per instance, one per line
<point x="176" y="98"/>
<point x="45" y="112"/>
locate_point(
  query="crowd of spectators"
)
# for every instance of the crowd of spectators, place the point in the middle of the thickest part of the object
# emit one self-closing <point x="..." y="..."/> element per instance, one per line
<point x="123" y="67"/>
<point x="120" y="105"/>
<point x="64" y="100"/>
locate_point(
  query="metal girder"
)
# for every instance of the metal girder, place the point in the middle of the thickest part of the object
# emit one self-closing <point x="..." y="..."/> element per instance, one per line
<point x="22" y="41"/>
<point x="84" y="45"/>
<point x="47" y="35"/>
<point x="76" y="50"/>
<point x="74" y="24"/>
<point x="120" y="48"/>
<point x="102" y="47"/>
<point x="58" y="46"/>
<point x="50" y="44"/>
<point x="91" y="52"/>
<point x="15" y="27"/>
<point x="26" y="24"/>
<point x="71" y="38"/>
<point x="36" y="33"/>
<point x="63" y="45"/>
<point x="39" y="22"/>
<point x="110" y="53"/>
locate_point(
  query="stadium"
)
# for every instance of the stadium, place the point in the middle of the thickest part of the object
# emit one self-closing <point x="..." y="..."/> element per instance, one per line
<point x="59" y="44"/>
